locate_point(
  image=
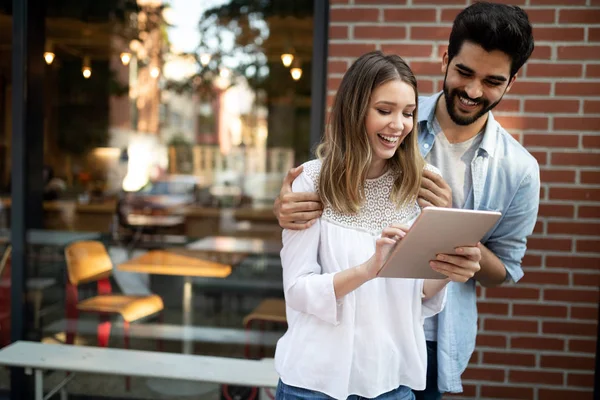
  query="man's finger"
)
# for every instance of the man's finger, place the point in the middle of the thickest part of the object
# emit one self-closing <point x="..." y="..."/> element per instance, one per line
<point x="423" y="203"/>
<point x="437" y="179"/>
<point x="430" y="197"/>
<point x="432" y="187"/>
<point x="301" y="216"/>
<point x="298" y="225"/>
<point x="289" y="178"/>
<point x="300" y="197"/>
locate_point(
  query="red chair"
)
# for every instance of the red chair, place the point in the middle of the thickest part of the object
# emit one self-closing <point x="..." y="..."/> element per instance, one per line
<point x="87" y="262"/>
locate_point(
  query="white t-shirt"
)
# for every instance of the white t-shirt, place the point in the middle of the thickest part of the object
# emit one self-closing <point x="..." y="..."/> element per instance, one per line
<point x="454" y="160"/>
<point x="370" y="341"/>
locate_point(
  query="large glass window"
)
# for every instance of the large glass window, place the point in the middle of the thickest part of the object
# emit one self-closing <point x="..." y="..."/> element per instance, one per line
<point x="167" y="130"/>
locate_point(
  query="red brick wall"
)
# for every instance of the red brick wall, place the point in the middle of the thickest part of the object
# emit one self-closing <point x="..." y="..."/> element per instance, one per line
<point x="537" y="339"/>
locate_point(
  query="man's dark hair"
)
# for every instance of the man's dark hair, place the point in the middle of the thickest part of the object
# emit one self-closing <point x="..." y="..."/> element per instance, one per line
<point x="494" y="27"/>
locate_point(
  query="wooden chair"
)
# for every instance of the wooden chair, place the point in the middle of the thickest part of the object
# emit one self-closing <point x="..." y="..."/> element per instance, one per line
<point x="269" y="310"/>
<point x="87" y="262"/>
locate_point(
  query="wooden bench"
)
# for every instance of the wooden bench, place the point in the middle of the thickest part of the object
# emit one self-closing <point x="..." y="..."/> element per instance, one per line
<point x="38" y="357"/>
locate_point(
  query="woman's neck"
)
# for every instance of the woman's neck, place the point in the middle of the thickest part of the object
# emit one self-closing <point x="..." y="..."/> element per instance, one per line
<point x="377" y="169"/>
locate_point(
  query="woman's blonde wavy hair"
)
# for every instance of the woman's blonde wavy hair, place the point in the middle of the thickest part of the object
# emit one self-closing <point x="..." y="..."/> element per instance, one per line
<point x="345" y="151"/>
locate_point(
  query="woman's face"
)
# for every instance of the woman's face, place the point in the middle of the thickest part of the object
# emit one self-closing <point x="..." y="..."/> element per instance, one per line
<point x="389" y="120"/>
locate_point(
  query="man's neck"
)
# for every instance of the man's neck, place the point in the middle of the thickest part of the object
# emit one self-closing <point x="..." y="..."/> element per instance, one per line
<point x="456" y="133"/>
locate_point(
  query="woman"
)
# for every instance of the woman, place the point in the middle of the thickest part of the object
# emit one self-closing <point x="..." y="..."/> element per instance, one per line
<point x="350" y="334"/>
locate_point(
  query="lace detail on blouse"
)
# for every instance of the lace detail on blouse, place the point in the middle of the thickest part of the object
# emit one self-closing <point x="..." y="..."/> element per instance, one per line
<point x="378" y="211"/>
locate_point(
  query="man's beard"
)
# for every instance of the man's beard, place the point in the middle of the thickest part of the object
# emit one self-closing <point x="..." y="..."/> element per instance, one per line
<point x="451" y="98"/>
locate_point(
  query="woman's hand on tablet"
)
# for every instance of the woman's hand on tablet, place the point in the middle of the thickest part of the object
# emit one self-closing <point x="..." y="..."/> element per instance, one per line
<point x="383" y="246"/>
<point x="458" y="267"/>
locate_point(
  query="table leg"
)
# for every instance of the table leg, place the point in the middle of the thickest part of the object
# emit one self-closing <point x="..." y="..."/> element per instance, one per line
<point x="39" y="384"/>
<point x="185" y="388"/>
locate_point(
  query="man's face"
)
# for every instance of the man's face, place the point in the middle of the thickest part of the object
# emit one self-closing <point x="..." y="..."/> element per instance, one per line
<point x="475" y="81"/>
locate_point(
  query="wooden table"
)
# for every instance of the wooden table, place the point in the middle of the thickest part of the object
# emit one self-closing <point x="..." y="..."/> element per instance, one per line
<point x="162" y="262"/>
<point x="235" y="245"/>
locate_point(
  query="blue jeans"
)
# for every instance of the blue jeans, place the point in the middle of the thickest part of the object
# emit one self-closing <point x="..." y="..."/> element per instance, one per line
<point x="287" y="392"/>
<point x="431" y="391"/>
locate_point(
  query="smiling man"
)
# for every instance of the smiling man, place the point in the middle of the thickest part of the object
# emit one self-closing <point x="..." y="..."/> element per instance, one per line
<point x="482" y="164"/>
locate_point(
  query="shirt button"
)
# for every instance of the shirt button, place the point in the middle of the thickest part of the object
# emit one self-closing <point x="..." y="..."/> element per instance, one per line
<point x="426" y="145"/>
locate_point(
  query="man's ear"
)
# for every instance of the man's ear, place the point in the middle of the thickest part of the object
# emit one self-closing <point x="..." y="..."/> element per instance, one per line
<point x="510" y="83"/>
<point x="445" y="63"/>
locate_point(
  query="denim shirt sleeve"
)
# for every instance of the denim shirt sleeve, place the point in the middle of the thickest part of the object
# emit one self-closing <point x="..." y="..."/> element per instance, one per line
<point x="509" y="240"/>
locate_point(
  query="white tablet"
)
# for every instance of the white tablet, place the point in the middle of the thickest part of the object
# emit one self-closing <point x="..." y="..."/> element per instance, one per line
<point x="436" y="230"/>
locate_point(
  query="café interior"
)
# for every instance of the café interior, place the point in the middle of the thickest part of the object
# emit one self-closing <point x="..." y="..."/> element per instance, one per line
<point x="144" y="221"/>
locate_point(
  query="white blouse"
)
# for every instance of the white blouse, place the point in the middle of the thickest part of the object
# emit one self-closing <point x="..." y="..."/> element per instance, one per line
<point x="370" y="341"/>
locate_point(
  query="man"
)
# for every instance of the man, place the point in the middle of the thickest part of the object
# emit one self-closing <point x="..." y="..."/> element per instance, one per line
<point x="485" y="169"/>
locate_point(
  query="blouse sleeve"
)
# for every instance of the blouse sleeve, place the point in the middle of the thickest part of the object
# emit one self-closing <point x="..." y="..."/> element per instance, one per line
<point x="307" y="289"/>
<point x="433" y="305"/>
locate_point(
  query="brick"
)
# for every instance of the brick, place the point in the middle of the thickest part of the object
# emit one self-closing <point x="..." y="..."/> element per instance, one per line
<point x="573" y="228"/>
<point x="541" y="53"/>
<point x="586" y="280"/>
<point x="337" y="67"/>
<point x="506" y="392"/>
<point x="594" y="34"/>
<point x="544" y="277"/>
<point x="540" y="310"/>
<point x="592" y="71"/>
<point x="589" y="141"/>
<point x="562" y="394"/>
<point x="582" y="159"/>
<point x="486" y="340"/>
<point x="569" y="328"/>
<point x="545" y="140"/>
<point x="426" y="86"/>
<point x="510" y="292"/>
<point x="338" y="32"/>
<point x="354" y="14"/>
<point x="573" y="261"/>
<point x="583" y="194"/>
<point x="520" y="359"/>
<point x="577" y="88"/>
<point x="539" y="225"/>
<point x="440" y="33"/>
<point x="469" y="391"/>
<point x="421" y="68"/>
<point x="558" y="34"/>
<point x="541" y="157"/>
<point x="380" y="2"/>
<point x="541" y="15"/>
<point x="408" y="50"/>
<point x="556" y="2"/>
<point x="588" y="246"/>
<point x="554" y="70"/>
<point x="484" y="374"/>
<point x="579" y="16"/>
<point x="591" y="106"/>
<point x="547" y="244"/>
<point x="409" y="15"/>
<point x="556" y="210"/>
<point x="557" y="175"/>
<point x="577" y="124"/>
<point x="571" y="295"/>
<point x="589" y="212"/>
<point x="486" y="307"/>
<point x="508" y="105"/>
<point x="582" y="345"/>
<point x="530" y="87"/>
<point x="379" y="32"/>
<point x="474" y="358"/>
<point x="333" y="83"/>
<point x="552" y="106"/>
<point x="581" y="380"/>
<point x="349" y="49"/>
<point x="542" y="377"/>
<point x="522" y="122"/>
<point x="530" y="260"/>
<point x="448" y="14"/>
<point x="536" y="343"/>
<point x="512" y="325"/>
<point x="567" y="362"/>
<point x="578" y="312"/>
<point x="440" y="2"/>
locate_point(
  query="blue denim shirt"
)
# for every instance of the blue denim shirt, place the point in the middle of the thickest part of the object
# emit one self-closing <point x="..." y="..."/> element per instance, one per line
<point x="506" y="178"/>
